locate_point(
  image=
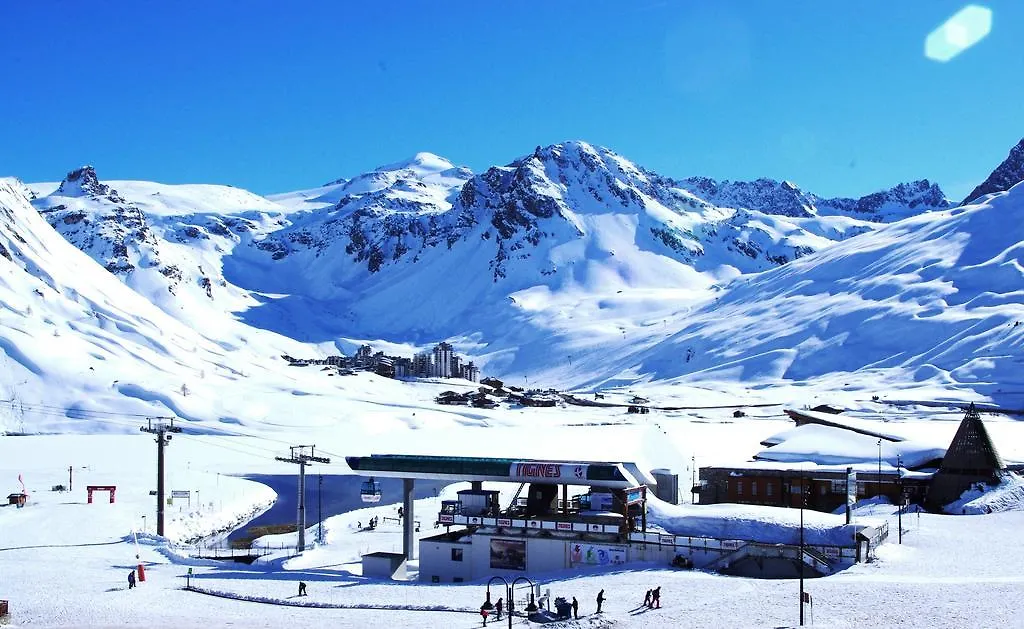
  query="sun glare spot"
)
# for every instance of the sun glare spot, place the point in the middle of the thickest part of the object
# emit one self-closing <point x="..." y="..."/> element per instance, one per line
<point x="966" y="28"/>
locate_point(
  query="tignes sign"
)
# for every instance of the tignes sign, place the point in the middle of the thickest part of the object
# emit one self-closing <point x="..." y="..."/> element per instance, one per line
<point x="557" y="472"/>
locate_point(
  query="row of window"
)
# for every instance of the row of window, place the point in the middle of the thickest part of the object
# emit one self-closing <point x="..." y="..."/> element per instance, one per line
<point x="769" y="488"/>
<point x="837" y="487"/>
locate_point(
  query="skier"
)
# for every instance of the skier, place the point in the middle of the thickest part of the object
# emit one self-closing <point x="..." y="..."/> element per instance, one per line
<point x="302" y="588"/>
<point x="131" y="579"/>
<point x="497" y="608"/>
<point x="656" y="597"/>
<point x="600" y="599"/>
<point x="647" y="599"/>
<point x="575" y="608"/>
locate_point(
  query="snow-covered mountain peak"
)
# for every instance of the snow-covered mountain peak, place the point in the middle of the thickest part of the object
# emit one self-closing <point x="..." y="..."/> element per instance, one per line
<point x="422" y="164"/>
<point x="1008" y="174"/>
<point x="83" y="182"/>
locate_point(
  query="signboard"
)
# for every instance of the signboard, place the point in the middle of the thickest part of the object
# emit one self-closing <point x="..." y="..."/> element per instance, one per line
<point x="563" y="526"/>
<point x="597" y="554"/>
<point x="636" y="494"/>
<point x="730" y="544"/>
<point x="446" y="519"/>
<point x="504" y="522"/>
<point x="851" y="492"/>
<point x="508" y="554"/>
<point x="552" y="472"/>
<point x="668" y="540"/>
<point x="180" y="493"/>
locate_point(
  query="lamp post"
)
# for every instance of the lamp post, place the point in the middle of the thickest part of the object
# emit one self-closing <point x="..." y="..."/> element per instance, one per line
<point x="320" y="509"/>
<point x="899" y="512"/>
<point x="800" y="561"/>
<point x="693" y="483"/>
<point x="509" y="593"/>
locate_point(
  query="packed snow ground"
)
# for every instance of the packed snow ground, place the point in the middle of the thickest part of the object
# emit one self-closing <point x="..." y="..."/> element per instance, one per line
<point x="64" y="563"/>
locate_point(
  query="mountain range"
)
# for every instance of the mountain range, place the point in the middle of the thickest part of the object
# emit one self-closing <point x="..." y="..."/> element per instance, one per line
<point x="570" y="265"/>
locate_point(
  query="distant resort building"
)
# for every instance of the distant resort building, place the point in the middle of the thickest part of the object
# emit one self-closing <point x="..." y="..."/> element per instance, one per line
<point x="832" y="460"/>
<point x="441" y="362"/>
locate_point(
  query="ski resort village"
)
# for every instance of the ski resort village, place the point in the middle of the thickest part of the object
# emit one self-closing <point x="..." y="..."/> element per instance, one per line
<point x="538" y="384"/>
<point x="827" y="436"/>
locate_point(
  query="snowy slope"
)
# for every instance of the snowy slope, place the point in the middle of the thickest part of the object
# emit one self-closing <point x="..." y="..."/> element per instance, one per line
<point x="934" y="298"/>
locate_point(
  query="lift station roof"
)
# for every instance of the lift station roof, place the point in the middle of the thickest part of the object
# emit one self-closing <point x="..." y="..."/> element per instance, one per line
<point x="467" y="469"/>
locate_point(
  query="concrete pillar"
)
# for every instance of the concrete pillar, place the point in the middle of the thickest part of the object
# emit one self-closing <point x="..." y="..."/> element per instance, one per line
<point x="408" y="519"/>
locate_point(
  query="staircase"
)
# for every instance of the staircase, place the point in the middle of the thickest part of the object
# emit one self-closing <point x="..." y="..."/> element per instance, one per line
<point x="816" y="561"/>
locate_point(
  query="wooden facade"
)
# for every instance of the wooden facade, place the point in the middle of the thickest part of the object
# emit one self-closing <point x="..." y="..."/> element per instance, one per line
<point x="825" y="489"/>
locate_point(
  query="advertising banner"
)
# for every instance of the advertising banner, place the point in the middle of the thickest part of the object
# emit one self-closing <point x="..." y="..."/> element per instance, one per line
<point x="636" y="494"/>
<point x="508" y="554"/>
<point x="597" y="554"/>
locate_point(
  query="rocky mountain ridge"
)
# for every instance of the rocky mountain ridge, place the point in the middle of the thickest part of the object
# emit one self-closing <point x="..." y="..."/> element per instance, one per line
<point x="1008" y="174"/>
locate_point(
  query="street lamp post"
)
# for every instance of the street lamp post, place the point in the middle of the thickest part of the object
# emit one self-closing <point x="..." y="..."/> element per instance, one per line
<point x="899" y="511"/>
<point x="693" y="483"/>
<point x="800" y="561"/>
<point x="509" y="593"/>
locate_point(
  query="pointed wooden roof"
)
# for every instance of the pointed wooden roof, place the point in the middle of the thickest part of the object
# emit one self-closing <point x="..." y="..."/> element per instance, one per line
<point x="971" y="449"/>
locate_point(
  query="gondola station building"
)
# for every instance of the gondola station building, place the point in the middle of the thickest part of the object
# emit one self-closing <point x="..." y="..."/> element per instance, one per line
<point x="548" y="526"/>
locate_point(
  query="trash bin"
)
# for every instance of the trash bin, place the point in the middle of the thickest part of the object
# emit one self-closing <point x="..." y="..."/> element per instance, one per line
<point x="142" y="573"/>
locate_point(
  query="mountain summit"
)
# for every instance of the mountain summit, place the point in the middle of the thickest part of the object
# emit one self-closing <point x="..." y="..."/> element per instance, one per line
<point x="83" y="182"/>
<point x="1004" y="177"/>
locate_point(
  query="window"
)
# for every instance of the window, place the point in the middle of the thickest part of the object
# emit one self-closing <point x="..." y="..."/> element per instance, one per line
<point x="769" y="489"/>
<point x="822" y="490"/>
<point x="456" y="554"/>
<point x="435" y="578"/>
<point x="753" y="488"/>
<point x="739" y="488"/>
<point x="456" y="579"/>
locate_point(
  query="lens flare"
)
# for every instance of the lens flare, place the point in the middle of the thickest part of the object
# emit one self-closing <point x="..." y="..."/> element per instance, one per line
<point x="966" y="28"/>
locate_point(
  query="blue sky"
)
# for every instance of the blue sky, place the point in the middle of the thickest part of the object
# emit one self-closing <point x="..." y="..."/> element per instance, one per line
<point x="274" y="96"/>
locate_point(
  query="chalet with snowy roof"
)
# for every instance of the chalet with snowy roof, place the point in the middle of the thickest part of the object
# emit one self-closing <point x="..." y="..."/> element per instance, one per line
<point x="832" y="460"/>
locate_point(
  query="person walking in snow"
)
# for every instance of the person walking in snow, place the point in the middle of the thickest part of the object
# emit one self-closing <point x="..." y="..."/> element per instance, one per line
<point x="302" y="588"/>
<point x="131" y="579"/>
<point x="656" y="597"/>
<point x="600" y="599"/>
<point x="483" y="614"/>
<point x="647" y="599"/>
<point x="497" y="608"/>
<point x="575" y="608"/>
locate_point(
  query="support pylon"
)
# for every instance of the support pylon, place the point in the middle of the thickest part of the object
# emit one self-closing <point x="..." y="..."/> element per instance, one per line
<point x="161" y="431"/>
<point x="302" y="456"/>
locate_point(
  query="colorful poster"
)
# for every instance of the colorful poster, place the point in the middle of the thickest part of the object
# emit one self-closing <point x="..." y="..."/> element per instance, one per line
<point x="597" y="554"/>
<point x="508" y="554"/>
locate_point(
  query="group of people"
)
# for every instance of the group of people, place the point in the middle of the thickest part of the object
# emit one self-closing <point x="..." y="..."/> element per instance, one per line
<point x="500" y="605"/>
<point x="652" y="600"/>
